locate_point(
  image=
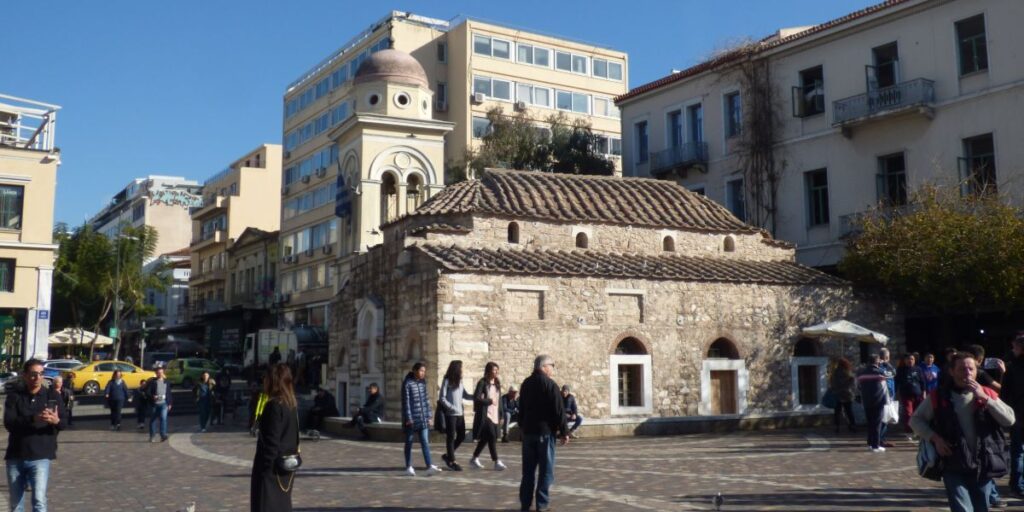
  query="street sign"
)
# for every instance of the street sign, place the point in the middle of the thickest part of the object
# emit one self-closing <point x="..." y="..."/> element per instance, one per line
<point x="43" y="314"/>
<point x="113" y="332"/>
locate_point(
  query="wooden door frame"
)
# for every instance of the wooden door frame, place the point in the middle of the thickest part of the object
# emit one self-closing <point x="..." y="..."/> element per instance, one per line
<point x="742" y="383"/>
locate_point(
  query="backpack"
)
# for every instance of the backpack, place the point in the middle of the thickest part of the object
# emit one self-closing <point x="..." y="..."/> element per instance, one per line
<point x="929" y="464"/>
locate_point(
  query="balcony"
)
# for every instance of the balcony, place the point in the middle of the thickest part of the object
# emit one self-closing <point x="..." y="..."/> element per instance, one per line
<point x="680" y="158"/>
<point x="209" y="239"/>
<point x="916" y="95"/>
<point x="199" y="278"/>
<point x="27" y="124"/>
<point x="216" y="203"/>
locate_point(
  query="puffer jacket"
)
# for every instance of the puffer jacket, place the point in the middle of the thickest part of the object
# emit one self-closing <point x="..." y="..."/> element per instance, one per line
<point x="415" y="403"/>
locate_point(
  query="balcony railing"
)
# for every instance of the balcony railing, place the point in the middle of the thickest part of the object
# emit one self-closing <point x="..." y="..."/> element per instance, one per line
<point x="679" y="157"/>
<point x="849" y="225"/>
<point x="918" y="92"/>
<point x="27" y="124"/>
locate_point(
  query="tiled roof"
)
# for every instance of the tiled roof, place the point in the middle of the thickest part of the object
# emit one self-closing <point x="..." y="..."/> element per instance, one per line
<point x="439" y="227"/>
<point x="764" y="46"/>
<point x="589" y="263"/>
<point x="573" y="198"/>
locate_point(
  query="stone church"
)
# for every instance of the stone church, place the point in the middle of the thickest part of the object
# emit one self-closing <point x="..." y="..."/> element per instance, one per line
<point x="659" y="306"/>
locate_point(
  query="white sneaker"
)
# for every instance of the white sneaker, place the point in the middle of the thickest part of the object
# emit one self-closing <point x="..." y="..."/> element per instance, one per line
<point x="499" y="465"/>
<point x="880" y="449"/>
<point x="410" y="471"/>
<point x="433" y="470"/>
<point x="475" y="462"/>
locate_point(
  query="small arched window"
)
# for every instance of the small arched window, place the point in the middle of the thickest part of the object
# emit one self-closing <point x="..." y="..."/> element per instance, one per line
<point x="730" y="244"/>
<point x="513" y="233"/>
<point x="388" y="198"/>
<point x="581" y="241"/>
<point x="723" y="349"/>
<point x="413" y="192"/>
<point x="668" y="244"/>
<point x="630" y="346"/>
<point x="807" y="347"/>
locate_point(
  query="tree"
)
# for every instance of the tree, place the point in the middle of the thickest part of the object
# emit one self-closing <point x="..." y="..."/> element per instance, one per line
<point x="519" y="142"/>
<point x="942" y="254"/>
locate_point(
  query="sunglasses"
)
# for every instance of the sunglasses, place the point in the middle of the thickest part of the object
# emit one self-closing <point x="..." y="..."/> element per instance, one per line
<point x="34" y="374"/>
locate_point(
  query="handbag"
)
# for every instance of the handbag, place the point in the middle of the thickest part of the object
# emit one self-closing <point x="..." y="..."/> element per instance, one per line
<point x="891" y="413"/>
<point x="290" y="463"/>
<point x="929" y="464"/>
<point x="829" y="400"/>
<point x="440" y="420"/>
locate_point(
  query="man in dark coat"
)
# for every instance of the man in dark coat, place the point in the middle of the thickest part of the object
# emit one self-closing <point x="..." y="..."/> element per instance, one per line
<point x="871" y="380"/>
<point x="1012" y="393"/>
<point x="542" y="420"/>
<point x="510" y="411"/>
<point x="371" y="412"/>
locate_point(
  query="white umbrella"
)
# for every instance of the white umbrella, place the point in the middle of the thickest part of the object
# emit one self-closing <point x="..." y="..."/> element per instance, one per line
<point x="846" y="330"/>
<point x="71" y="336"/>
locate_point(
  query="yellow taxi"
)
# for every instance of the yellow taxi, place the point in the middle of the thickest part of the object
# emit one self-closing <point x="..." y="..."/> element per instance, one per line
<point x="92" y="378"/>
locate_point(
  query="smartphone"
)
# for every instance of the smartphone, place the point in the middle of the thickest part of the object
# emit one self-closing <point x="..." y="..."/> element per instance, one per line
<point x="51" y="405"/>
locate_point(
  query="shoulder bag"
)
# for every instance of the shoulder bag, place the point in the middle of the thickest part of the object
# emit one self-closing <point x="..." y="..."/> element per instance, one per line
<point x="929" y="464"/>
<point x="290" y="463"/>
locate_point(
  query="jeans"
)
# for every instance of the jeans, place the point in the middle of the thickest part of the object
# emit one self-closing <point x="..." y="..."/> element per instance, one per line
<point x="454" y="435"/>
<point x="1017" y="456"/>
<point x="965" y="493"/>
<point x="20" y="473"/>
<point x="204" y="412"/>
<point x="538" y="454"/>
<point x="842" y="407"/>
<point x="115" y="412"/>
<point x="424" y="437"/>
<point x="576" y="423"/>
<point x="875" y="425"/>
<point x="509" y="418"/>
<point x="158" y="412"/>
<point x="361" y="420"/>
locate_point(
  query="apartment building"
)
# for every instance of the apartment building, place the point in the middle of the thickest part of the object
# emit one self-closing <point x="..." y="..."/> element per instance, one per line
<point x="868" y="107"/>
<point x="470" y="67"/>
<point x="171" y="302"/>
<point x="244" y="195"/>
<point x="161" y="202"/>
<point x="28" y="182"/>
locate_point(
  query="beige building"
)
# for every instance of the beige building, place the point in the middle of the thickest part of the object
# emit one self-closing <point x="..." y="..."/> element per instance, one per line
<point x="469" y="67"/>
<point x="28" y="182"/>
<point x="161" y="202"/>
<point x="868" y="107"/>
<point x="244" y="195"/>
<point x="252" y="269"/>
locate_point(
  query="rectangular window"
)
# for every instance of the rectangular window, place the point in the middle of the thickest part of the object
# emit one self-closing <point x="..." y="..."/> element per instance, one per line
<point x="809" y="97"/>
<point x="607" y="69"/>
<point x="579" y="64"/>
<point x="581" y="103"/>
<point x="442" y="52"/>
<point x="563" y="61"/>
<point x="542" y="97"/>
<point x="735" y="198"/>
<point x="482" y="85"/>
<point x="733" y="116"/>
<point x="675" y="128"/>
<point x="641" y="141"/>
<point x="482" y="45"/>
<point x="542" y="57"/>
<point x="970" y="37"/>
<point x="978" y="166"/>
<point x="816" y="183"/>
<point x="7" y="267"/>
<point x="563" y="100"/>
<point x="501" y="49"/>
<point x="441" y="96"/>
<point x="12" y="199"/>
<point x="529" y="54"/>
<point x="138" y="211"/>
<point x="501" y="89"/>
<point x="615" y="71"/>
<point x="600" y="68"/>
<point x="480" y="127"/>
<point x="524" y="53"/>
<point x="605" y="107"/>
<point x="695" y="118"/>
<point x="892" y="180"/>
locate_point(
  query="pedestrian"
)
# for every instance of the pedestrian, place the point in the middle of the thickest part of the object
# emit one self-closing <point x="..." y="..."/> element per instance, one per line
<point x="572" y="413"/>
<point x="452" y="395"/>
<point x="324" y="406"/>
<point x="33" y="415"/>
<point x="510" y="411"/>
<point x="222" y="399"/>
<point x="842" y="384"/>
<point x="985" y="379"/>
<point x="486" y="416"/>
<point x="67" y="397"/>
<point x="116" y="395"/>
<point x="1013" y="394"/>
<point x="159" y="392"/>
<point x="371" y="412"/>
<point x="542" y="420"/>
<point x="275" y="357"/>
<point x="254" y="397"/>
<point x="890" y="387"/>
<point x="910" y="386"/>
<point x="203" y="394"/>
<point x="930" y="372"/>
<point x="871" y="382"/>
<point x="271" y="484"/>
<point x="142" y="403"/>
<point x="416" y="417"/>
<point x="966" y="414"/>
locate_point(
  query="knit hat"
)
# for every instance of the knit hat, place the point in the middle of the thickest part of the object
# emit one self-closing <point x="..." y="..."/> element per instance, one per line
<point x="566" y="388"/>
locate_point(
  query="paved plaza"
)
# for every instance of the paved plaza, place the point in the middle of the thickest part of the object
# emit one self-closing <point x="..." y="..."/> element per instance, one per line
<point x="99" y="470"/>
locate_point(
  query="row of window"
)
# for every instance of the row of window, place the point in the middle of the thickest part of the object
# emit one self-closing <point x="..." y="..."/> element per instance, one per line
<point x="539" y="96"/>
<point x="252" y="280"/>
<point x="216" y="262"/>
<point x="308" y="278"/>
<point x="668" y="243"/>
<point x="327" y="84"/>
<point x="310" y="238"/>
<point x="309" y="165"/>
<point x="605" y="145"/>
<point x="690" y="120"/>
<point x="540" y="56"/>
<point x="211" y="226"/>
<point x="311" y="200"/>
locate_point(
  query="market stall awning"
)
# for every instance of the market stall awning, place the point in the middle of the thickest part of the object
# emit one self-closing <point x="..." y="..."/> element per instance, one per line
<point x="846" y="330"/>
<point x="78" y="337"/>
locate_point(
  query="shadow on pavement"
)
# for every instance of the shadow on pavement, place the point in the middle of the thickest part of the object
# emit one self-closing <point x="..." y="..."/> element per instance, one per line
<point x="396" y="509"/>
<point x="831" y="499"/>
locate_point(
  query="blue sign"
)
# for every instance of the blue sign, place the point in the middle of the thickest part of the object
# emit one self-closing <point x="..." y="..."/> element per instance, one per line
<point x="43" y="314"/>
<point x="343" y="199"/>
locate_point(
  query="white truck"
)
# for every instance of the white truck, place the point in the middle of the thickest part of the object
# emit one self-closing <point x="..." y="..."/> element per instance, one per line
<point x="259" y="345"/>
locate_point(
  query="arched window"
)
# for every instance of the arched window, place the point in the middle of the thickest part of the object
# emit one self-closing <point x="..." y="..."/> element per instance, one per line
<point x="631" y="347"/>
<point x="723" y="349"/>
<point x="730" y="244"/>
<point x="513" y="233"/>
<point x="388" y="198"/>
<point x="413" y="193"/>
<point x="668" y="244"/>
<point x="631" y="373"/>
<point x="581" y="240"/>
<point x="807" y="347"/>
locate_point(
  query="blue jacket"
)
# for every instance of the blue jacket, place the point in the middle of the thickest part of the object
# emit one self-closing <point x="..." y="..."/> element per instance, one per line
<point x="116" y="392"/>
<point x="569" y="403"/>
<point x="931" y="376"/>
<point x="415" y="403"/>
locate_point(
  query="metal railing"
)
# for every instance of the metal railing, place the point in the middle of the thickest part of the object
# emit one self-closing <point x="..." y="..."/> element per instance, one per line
<point x="920" y="91"/>
<point x="27" y="124"/>
<point x="851" y="224"/>
<point x="689" y="153"/>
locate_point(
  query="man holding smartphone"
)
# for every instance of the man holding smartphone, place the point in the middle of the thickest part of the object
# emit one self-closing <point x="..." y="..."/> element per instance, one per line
<point x="33" y="415"/>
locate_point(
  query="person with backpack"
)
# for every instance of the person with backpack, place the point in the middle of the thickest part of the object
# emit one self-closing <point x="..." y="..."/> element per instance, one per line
<point x="964" y="420"/>
<point x="1013" y="394"/>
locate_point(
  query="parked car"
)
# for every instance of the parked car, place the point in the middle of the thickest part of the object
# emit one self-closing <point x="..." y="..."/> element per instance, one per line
<point x="56" y="367"/>
<point x="8" y="380"/>
<point x="93" y="377"/>
<point x="187" y="371"/>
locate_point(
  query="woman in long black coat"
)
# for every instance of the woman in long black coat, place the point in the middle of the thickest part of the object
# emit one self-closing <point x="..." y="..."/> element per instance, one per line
<point x="270" y="487"/>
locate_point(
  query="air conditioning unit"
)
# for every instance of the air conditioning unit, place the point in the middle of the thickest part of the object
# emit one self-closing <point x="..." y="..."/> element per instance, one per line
<point x="285" y="190"/>
<point x="328" y="248"/>
<point x="478" y="98"/>
<point x="520" y="105"/>
<point x="321" y="172"/>
<point x="305" y="179"/>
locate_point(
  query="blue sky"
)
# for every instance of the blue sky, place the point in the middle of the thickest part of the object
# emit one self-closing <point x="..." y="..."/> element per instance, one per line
<point x="185" y="87"/>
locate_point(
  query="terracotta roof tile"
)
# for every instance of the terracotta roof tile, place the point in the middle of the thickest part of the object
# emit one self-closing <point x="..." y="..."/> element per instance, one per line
<point x="439" y="227"/>
<point x="590" y="263"/>
<point x="572" y="198"/>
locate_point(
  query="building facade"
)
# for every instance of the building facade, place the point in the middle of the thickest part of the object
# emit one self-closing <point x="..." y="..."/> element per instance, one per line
<point x="866" y="108"/>
<point x="161" y="202"/>
<point x="28" y="183"/>
<point x="171" y="304"/>
<point x="469" y="67"/>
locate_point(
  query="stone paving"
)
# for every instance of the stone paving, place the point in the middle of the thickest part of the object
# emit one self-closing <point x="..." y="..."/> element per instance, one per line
<point x="99" y="470"/>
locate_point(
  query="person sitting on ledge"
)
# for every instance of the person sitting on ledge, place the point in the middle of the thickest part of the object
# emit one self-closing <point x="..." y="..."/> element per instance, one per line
<point x="572" y="413"/>
<point x="371" y="412"/>
<point x="324" y="406"/>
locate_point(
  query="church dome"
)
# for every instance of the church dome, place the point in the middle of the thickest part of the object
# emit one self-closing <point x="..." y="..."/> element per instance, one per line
<point x="392" y="66"/>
